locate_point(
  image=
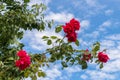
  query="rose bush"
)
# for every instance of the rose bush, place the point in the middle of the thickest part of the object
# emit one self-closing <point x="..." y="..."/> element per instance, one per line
<point x="17" y="64"/>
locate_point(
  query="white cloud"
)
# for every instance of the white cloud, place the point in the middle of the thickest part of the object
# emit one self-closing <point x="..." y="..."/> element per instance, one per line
<point x="84" y="77"/>
<point x="35" y="39"/>
<point x="113" y="66"/>
<point x="55" y="72"/>
<point x="107" y="43"/>
<point x="91" y="3"/>
<point x="98" y="75"/>
<point x="59" y="17"/>
<point x="38" y="2"/>
<point x="85" y="23"/>
<point x="94" y="34"/>
<point x="52" y="73"/>
<point x="114" y="54"/>
<point x="70" y="70"/>
<point x="104" y="25"/>
<point x="101" y="28"/>
<point x="108" y="12"/>
<point x="89" y="7"/>
<point x="114" y="37"/>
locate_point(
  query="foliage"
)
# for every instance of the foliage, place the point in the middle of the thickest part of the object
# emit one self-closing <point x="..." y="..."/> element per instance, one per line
<point x="15" y="19"/>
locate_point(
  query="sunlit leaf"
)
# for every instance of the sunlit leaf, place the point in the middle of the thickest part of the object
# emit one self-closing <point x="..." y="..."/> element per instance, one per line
<point x="49" y="42"/>
<point x="77" y="43"/>
<point x="53" y="37"/>
<point x="58" y="29"/>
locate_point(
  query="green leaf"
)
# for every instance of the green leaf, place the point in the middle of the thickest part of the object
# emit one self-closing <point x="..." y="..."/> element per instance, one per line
<point x="70" y="47"/>
<point x="52" y="59"/>
<point x="96" y="46"/>
<point x="49" y="42"/>
<point x="64" y="64"/>
<point x="53" y="37"/>
<point x="67" y="59"/>
<point x="77" y="58"/>
<point x="45" y="37"/>
<point x="34" y="77"/>
<point x="72" y="61"/>
<point x="10" y="58"/>
<point x="101" y="66"/>
<point x="58" y="40"/>
<point x="39" y="74"/>
<point x="58" y="29"/>
<point x="84" y="65"/>
<point x="1" y="63"/>
<point x="26" y="1"/>
<point x="97" y="61"/>
<point x="26" y="74"/>
<point x="77" y="43"/>
<point x="50" y="24"/>
<point x="43" y="74"/>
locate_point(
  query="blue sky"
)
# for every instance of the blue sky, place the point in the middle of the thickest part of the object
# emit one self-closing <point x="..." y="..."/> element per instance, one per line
<point x="100" y="21"/>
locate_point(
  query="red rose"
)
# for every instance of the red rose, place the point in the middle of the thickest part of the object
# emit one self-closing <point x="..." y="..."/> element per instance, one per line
<point x="24" y="60"/>
<point x="22" y="53"/>
<point x="23" y="63"/>
<point x="86" y="55"/>
<point x="75" y="24"/>
<point x="103" y="57"/>
<point x="68" y="28"/>
<point x="72" y="37"/>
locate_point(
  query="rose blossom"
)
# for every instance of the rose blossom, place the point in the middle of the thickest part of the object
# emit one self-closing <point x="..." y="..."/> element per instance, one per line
<point x="75" y="23"/>
<point x="86" y="55"/>
<point x="24" y="60"/>
<point x="72" y="37"/>
<point x="103" y="57"/>
<point x="68" y="28"/>
<point x="23" y="63"/>
<point x="22" y="53"/>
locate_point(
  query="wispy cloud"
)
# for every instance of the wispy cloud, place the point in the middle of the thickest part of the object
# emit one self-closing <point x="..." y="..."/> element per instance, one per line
<point x="85" y="24"/>
<point x="89" y="7"/>
<point x="38" y="2"/>
<point x="59" y="17"/>
<point x="114" y="37"/>
<point x="109" y="12"/>
<point x="35" y="39"/>
<point x="52" y="73"/>
<point x="98" y="75"/>
<point x="104" y="25"/>
<point x="91" y="3"/>
<point x="107" y="43"/>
